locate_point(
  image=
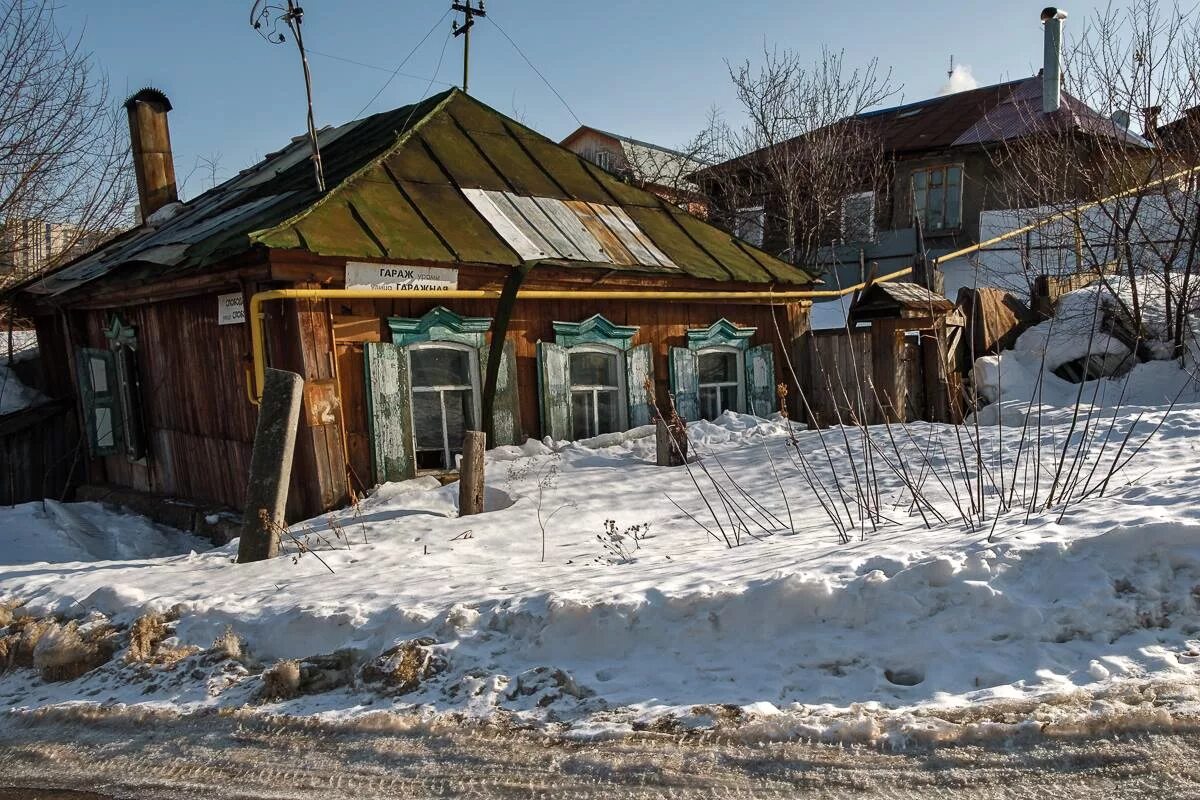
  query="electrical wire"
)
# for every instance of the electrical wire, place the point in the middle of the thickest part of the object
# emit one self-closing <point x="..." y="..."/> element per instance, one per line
<point x="400" y="66"/>
<point x="375" y="67"/>
<point x="490" y="18"/>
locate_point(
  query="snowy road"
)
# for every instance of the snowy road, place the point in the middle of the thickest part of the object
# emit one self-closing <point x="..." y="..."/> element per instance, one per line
<point x="220" y="757"/>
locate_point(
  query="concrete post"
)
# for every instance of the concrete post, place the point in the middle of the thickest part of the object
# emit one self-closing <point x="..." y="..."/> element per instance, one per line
<point x="470" y="476"/>
<point x="271" y="465"/>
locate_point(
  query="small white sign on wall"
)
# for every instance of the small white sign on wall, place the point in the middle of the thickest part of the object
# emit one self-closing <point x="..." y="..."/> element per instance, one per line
<point x="399" y="276"/>
<point x="231" y="309"/>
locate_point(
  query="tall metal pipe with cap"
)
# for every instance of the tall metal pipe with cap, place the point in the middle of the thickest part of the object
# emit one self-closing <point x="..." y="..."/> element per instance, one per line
<point x="1052" y="20"/>
<point x="150" y="138"/>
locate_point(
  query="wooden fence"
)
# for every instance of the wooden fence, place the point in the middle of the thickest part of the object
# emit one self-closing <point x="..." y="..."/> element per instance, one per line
<point x="40" y="453"/>
<point x="836" y="371"/>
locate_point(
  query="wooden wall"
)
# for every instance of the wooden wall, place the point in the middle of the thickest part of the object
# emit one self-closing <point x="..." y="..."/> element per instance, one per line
<point x="199" y="424"/>
<point x="662" y="324"/>
<point x="41" y="453"/>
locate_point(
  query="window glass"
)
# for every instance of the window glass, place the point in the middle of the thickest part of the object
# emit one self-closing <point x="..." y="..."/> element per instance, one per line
<point x="443" y="403"/>
<point x="427" y="420"/>
<point x="99" y="375"/>
<point x="591" y="368"/>
<point x="749" y="224"/>
<point x="440" y="366"/>
<point x="718" y="367"/>
<point x="595" y="392"/>
<point x="937" y="196"/>
<point x="104" y="427"/>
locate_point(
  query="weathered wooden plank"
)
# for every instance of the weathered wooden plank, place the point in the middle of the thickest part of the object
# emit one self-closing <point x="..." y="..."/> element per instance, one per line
<point x="685" y="383"/>
<point x="555" y="390"/>
<point x="760" y="380"/>
<point x="388" y="389"/>
<point x="639" y="371"/>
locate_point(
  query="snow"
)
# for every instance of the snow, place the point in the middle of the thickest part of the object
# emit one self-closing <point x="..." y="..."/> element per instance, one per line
<point x="14" y="395"/>
<point x="80" y="533"/>
<point x="797" y="632"/>
<point x="1025" y="374"/>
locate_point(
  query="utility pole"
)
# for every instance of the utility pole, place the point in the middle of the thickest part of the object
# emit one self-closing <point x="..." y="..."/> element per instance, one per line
<point x="469" y="14"/>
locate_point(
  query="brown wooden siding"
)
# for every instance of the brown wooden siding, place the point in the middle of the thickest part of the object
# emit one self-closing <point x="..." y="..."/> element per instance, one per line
<point x="199" y="424"/>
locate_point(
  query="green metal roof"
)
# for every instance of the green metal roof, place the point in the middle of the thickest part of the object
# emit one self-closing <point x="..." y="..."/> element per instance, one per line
<point x="414" y="184"/>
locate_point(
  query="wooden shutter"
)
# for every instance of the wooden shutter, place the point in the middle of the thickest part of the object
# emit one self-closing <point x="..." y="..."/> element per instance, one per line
<point x="129" y="393"/>
<point x="506" y="409"/>
<point x="389" y="416"/>
<point x="554" y="390"/>
<point x="685" y="382"/>
<point x="639" y="368"/>
<point x="760" y="380"/>
<point x="101" y="407"/>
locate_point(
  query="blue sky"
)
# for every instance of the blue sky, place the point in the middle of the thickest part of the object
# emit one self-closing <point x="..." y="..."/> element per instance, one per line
<point x="650" y="70"/>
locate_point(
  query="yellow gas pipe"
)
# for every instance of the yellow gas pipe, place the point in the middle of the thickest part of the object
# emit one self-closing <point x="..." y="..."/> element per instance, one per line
<point x="256" y="302"/>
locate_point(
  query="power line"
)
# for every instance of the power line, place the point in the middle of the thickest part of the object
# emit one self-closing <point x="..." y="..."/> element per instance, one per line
<point x="375" y="67"/>
<point x="521" y="52"/>
<point x="399" y="66"/>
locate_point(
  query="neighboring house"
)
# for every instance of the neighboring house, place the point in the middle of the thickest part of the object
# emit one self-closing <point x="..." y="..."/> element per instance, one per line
<point x="151" y="333"/>
<point x="940" y="167"/>
<point x="657" y="169"/>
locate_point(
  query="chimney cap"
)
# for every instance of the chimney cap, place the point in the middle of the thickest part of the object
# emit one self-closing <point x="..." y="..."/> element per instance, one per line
<point x="1050" y="12"/>
<point x="148" y="95"/>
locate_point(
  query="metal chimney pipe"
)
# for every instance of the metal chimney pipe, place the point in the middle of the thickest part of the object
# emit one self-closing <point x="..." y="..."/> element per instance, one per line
<point x="1052" y="19"/>
<point x="153" y="163"/>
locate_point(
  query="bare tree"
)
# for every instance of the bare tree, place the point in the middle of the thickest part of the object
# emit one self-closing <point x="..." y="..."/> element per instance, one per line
<point x="1139" y="230"/>
<point x="64" y="151"/>
<point x="800" y="151"/>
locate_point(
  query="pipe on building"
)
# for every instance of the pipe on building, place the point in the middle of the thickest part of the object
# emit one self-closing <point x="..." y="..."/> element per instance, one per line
<point x="257" y="335"/>
<point x="1052" y="19"/>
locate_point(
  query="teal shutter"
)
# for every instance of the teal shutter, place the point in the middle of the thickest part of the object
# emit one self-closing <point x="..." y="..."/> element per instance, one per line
<point x="506" y="409"/>
<point x="98" y="388"/>
<point x="685" y="382"/>
<point x="389" y="416"/>
<point x="639" y="368"/>
<point x="760" y="381"/>
<point x="554" y="390"/>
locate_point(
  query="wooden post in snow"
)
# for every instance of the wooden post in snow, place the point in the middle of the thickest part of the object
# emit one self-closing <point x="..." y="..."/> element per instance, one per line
<point x="470" y="476"/>
<point x="670" y="453"/>
<point x="271" y="465"/>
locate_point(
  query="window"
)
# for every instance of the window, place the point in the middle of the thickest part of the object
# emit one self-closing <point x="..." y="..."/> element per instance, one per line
<point x="444" y="398"/>
<point x="597" y="390"/>
<point x="858" y="217"/>
<point x="603" y="159"/>
<point x="937" y="197"/>
<point x="749" y="224"/>
<point x="110" y="391"/>
<point x="720" y="381"/>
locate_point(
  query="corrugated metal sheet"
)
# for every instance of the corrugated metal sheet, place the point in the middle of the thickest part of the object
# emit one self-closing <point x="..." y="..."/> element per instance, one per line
<point x="448" y="179"/>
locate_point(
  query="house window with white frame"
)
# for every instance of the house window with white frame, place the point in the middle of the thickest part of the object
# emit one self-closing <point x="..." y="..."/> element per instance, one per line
<point x="603" y="159"/>
<point x="445" y="396"/>
<point x="749" y="224"/>
<point x="937" y="197"/>
<point x="858" y="217"/>
<point x="597" y="390"/>
<point x="720" y="378"/>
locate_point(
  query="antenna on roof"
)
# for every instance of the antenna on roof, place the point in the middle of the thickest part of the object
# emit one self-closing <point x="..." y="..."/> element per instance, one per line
<point x="266" y="19"/>
<point x="465" y="31"/>
<point x="950" y="72"/>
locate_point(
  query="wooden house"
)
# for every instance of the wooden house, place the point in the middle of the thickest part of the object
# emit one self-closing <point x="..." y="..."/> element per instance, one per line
<point x="151" y="333"/>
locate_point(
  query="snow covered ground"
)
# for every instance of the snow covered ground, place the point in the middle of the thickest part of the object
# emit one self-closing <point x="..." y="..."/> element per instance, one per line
<point x="906" y="632"/>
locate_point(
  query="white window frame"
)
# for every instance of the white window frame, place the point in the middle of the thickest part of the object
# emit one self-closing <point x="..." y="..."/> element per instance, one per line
<point x="870" y="226"/>
<point x="756" y="215"/>
<point x="739" y="382"/>
<point x="622" y="397"/>
<point x="473" y="376"/>
<point x="603" y="158"/>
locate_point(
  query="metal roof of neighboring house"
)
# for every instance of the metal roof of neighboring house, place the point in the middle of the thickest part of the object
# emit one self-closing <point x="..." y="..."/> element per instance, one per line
<point x="649" y="162"/>
<point x="444" y="180"/>
<point x="978" y="116"/>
